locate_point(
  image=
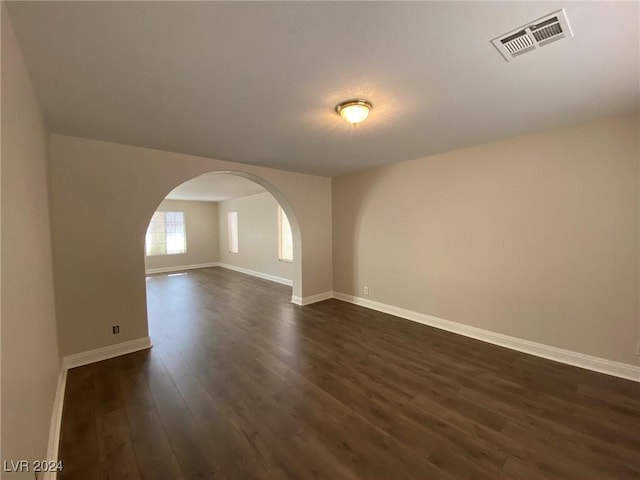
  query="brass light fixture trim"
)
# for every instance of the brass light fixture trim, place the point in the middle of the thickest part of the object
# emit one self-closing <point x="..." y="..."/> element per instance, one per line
<point x="354" y="111"/>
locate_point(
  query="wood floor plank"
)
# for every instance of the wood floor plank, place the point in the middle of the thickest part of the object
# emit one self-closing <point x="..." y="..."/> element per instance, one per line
<point x="189" y="444"/>
<point x="116" y="454"/>
<point x="148" y="435"/>
<point x="164" y="468"/>
<point x="242" y="384"/>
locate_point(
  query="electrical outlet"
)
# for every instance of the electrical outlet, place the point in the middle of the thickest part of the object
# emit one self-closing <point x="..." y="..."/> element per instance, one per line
<point x="116" y="329"/>
<point x="366" y="290"/>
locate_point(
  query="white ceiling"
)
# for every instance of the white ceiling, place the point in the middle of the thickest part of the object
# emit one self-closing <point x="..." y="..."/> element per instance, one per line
<point x="256" y="82"/>
<point x="215" y="187"/>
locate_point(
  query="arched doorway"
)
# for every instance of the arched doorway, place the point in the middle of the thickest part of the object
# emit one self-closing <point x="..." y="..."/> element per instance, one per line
<point x="196" y="187"/>
<point x="101" y="279"/>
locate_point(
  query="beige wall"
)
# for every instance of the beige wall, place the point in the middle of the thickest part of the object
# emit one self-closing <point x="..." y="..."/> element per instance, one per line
<point x="30" y="360"/>
<point x="534" y="237"/>
<point x="103" y="197"/>
<point x="257" y="235"/>
<point x="201" y="220"/>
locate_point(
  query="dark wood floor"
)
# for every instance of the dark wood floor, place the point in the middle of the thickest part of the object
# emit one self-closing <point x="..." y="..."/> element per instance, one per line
<point x="242" y="384"/>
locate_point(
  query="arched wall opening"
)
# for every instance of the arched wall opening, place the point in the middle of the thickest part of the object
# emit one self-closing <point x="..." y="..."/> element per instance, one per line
<point x="282" y="201"/>
<point x="111" y="191"/>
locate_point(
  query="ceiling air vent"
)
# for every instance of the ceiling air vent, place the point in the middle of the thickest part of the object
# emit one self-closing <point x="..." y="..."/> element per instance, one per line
<point x="536" y="34"/>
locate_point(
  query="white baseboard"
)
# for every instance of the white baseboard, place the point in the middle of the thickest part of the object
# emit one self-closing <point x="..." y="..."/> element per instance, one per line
<point x="311" y="298"/>
<point x="56" y="422"/>
<point x="104" y="353"/>
<point x="253" y="273"/>
<point x="179" y="268"/>
<point x="597" y="364"/>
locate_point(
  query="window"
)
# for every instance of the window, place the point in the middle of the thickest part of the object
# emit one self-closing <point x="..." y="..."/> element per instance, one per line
<point x="166" y="234"/>
<point x="285" y="239"/>
<point x="232" y="222"/>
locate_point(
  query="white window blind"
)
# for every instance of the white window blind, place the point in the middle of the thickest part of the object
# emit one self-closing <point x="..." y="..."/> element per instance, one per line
<point x="285" y="238"/>
<point x="232" y="222"/>
<point x="166" y="234"/>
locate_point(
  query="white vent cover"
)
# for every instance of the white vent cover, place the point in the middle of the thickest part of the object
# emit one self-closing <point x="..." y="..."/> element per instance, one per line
<point x="534" y="35"/>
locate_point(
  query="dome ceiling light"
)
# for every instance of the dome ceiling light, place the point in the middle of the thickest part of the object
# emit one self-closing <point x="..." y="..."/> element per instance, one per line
<point x="354" y="111"/>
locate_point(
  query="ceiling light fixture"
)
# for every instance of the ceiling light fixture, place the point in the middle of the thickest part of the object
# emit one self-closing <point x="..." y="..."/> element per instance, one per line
<point x="354" y="111"/>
